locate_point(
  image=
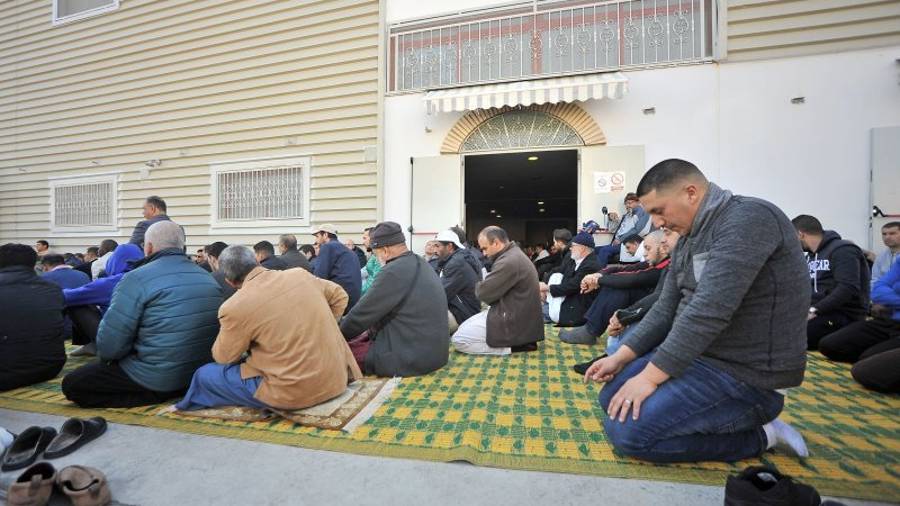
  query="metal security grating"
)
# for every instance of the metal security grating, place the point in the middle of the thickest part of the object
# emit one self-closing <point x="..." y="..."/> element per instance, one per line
<point x="258" y="194"/>
<point x="590" y="37"/>
<point x="86" y="204"/>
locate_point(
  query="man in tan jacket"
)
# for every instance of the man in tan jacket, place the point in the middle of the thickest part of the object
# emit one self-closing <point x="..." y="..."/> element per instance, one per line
<point x="285" y="323"/>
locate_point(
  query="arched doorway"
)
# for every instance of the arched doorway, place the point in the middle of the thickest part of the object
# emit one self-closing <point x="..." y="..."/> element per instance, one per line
<point x="529" y="169"/>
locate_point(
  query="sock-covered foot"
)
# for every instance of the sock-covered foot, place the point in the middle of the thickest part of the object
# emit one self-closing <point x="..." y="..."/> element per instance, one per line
<point x="783" y="437"/>
<point x="577" y="335"/>
<point x="89" y="349"/>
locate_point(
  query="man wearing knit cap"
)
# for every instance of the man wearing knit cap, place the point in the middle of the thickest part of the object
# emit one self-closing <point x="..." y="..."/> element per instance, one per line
<point x="582" y="262"/>
<point x="399" y="327"/>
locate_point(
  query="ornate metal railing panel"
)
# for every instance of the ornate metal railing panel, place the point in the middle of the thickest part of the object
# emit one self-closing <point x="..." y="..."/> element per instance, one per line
<point x="590" y="37"/>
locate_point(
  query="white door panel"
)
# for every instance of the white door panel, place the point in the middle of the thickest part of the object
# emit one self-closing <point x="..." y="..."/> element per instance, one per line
<point x="596" y="161"/>
<point x="437" y="197"/>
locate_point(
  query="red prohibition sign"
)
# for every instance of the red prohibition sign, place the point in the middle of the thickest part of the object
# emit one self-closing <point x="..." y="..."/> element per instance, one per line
<point x="617" y="179"/>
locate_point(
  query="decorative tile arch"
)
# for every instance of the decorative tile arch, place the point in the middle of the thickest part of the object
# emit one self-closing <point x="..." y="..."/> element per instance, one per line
<point x="569" y="125"/>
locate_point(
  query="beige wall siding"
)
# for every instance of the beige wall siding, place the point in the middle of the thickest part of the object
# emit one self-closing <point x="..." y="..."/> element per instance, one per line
<point x="777" y="28"/>
<point x="189" y="83"/>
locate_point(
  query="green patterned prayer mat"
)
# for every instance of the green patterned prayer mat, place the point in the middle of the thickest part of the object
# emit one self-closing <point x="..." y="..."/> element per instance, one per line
<point x="531" y="411"/>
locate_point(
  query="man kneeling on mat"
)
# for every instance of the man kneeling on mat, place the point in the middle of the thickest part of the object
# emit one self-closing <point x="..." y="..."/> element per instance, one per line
<point x="728" y="330"/>
<point x="296" y="355"/>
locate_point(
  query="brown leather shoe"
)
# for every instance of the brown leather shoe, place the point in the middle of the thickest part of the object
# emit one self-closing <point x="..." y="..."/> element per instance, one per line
<point x="84" y="486"/>
<point x="33" y="487"/>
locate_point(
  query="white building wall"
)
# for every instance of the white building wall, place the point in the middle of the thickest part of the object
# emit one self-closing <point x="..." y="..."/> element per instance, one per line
<point x="734" y="120"/>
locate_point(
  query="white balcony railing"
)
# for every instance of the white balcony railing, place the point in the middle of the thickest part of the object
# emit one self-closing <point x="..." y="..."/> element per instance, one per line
<point x="587" y="37"/>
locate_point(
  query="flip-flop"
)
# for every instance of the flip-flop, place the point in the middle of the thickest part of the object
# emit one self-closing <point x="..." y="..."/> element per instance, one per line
<point x="26" y="448"/>
<point x="74" y="434"/>
<point x="84" y="486"/>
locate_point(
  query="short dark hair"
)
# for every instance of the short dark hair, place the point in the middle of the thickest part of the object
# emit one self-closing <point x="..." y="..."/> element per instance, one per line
<point x="41" y="241"/>
<point x="108" y="245"/>
<point x="459" y="233"/>
<point x="631" y="196"/>
<point x="808" y="224"/>
<point x="92" y="249"/>
<point x="891" y="224"/>
<point x="308" y="248"/>
<point x="53" y="260"/>
<point x="289" y="241"/>
<point x="264" y="246"/>
<point x="157" y="202"/>
<point x="666" y="174"/>
<point x="215" y="249"/>
<point x="21" y="255"/>
<point x="562" y="234"/>
<point x="495" y="233"/>
<point x="633" y="238"/>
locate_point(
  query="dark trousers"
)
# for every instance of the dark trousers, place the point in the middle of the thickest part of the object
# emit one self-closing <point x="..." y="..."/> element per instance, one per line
<point x="854" y="341"/>
<point x="85" y="322"/>
<point x="21" y="375"/>
<point x="608" y="301"/>
<point x="105" y="385"/>
<point x="821" y="326"/>
<point x="880" y="371"/>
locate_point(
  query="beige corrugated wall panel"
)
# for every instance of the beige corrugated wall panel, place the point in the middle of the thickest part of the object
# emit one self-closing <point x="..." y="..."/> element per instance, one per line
<point x="771" y="29"/>
<point x="189" y="83"/>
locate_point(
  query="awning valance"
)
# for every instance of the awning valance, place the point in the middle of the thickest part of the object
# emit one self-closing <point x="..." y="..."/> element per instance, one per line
<point x="539" y="91"/>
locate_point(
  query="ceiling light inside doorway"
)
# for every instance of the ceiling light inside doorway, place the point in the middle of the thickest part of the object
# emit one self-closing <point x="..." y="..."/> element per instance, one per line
<point x="532" y="158"/>
<point x="540" y="202"/>
<point x="493" y="211"/>
<point x="541" y="210"/>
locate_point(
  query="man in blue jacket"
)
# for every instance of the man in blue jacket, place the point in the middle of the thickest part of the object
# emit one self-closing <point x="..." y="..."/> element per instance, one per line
<point x="158" y="330"/>
<point x="877" y="367"/>
<point x="59" y="273"/>
<point x="337" y="263"/>
<point x="86" y="304"/>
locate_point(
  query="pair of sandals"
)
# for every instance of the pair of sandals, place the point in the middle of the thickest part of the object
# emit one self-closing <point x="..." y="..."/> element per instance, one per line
<point x="33" y="441"/>
<point x="84" y="486"/>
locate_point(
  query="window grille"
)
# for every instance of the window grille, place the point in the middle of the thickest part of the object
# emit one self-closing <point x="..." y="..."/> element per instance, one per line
<point x="84" y="203"/>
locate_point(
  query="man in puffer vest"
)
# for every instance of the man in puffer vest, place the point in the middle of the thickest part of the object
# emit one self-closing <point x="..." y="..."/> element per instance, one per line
<point x="159" y="329"/>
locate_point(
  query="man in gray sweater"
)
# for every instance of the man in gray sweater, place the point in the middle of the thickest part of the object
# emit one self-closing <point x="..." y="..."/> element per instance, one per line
<point x="698" y="378"/>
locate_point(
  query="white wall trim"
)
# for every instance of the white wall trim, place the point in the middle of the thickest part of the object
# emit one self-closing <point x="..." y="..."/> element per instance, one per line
<point x="111" y="6"/>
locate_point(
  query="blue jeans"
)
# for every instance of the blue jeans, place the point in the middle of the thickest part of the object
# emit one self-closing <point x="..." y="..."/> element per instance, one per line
<point x="614" y="342"/>
<point x="216" y="385"/>
<point x="605" y="253"/>
<point x="704" y="414"/>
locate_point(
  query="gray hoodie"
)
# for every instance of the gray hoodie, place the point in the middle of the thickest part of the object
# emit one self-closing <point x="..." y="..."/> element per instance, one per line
<point x="736" y="296"/>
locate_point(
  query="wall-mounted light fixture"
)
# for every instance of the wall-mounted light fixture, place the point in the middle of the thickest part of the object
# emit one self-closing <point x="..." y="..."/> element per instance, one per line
<point x="649" y="111"/>
<point x="798" y="100"/>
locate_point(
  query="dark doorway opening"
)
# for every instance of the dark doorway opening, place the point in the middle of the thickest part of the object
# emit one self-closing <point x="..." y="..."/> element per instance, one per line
<point x="529" y="194"/>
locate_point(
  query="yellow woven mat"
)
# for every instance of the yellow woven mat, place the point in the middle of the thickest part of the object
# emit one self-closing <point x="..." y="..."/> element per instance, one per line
<point x="531" y="411"/>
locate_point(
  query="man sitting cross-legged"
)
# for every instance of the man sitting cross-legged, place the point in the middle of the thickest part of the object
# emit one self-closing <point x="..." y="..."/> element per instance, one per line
<point x="839" y="276"/>
<point x="32" y="349"/>
<point x="157" y="331"/>
<point x="399" y="327"/>
<point x="514" y="321"/>
<point x="296" y="355"/>
<point x="698" y="378"/>
<point x="575" y="302"/>
<point x="459" y="273"/>
<point x="616" y="287"/>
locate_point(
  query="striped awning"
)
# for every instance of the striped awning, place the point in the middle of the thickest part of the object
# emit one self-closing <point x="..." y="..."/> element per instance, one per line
<point x="560" y="89"/>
